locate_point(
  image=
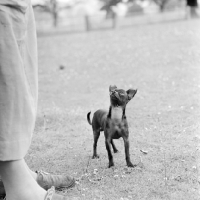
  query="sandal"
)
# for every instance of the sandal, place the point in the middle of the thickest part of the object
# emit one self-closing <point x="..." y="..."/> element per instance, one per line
<point x="51" y="195"/>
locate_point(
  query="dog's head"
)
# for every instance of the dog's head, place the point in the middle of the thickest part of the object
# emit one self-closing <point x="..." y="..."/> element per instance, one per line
<point x="120" y="97"/>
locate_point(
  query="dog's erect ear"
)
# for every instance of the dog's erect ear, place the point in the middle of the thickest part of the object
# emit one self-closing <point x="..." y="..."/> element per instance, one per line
<point x="131" y="93"/>
<point x="112" y="88"/>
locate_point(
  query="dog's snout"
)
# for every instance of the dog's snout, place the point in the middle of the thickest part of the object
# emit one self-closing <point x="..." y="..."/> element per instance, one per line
<point x="112" y="92"/>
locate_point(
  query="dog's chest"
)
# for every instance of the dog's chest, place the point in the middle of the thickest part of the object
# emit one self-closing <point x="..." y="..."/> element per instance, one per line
<point x="116" y="118"/>
<point x="118" y="126"/>
<point x="116" y="113"/>
<point x="117" y="129"/>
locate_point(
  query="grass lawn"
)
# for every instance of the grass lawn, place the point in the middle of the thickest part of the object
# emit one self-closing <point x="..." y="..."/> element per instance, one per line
<point x="163" y="62"/>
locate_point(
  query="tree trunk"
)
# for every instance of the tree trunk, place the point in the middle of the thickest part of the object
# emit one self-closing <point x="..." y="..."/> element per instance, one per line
<point x="54" y="11"/>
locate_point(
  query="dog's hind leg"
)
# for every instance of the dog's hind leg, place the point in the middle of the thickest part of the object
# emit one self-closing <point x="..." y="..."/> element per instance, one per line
<point x="114" y="147"/>
<point x="96" y="137"/>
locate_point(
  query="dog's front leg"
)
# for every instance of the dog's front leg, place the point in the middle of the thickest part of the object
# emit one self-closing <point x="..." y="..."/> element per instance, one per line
<point x="110" y="157"/>
<point x="126" y="144"/>
<point x="114" y="147"/>
<point x="96" y="137"/>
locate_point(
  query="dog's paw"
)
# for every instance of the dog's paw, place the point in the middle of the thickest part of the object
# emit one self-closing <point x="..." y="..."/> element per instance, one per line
<point x="111" y="164"/>
<point x="95" y="156"/>
<point x="131" y="165"/>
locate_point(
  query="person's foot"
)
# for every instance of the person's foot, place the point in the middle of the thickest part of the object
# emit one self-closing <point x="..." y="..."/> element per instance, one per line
<point x="51" y="195"/>
<point x="46" y="181"/>
<point x="2" y="190"/>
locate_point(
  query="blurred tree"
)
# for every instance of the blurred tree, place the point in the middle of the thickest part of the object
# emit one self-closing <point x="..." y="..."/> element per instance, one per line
<point x="192" y="7"/>
<point x="161" y="4"/>
<point x="108" y="4"/>
<point x="108" y="7"/>
<point x="50" y="6"/>
<point x="54" y="11"/>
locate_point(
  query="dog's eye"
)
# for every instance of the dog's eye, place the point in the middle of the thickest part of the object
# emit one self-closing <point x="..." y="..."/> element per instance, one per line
<point x="112" y="92"/>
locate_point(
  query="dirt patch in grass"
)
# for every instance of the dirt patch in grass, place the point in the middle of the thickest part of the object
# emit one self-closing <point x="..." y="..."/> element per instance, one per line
<point x="163" y="62"/>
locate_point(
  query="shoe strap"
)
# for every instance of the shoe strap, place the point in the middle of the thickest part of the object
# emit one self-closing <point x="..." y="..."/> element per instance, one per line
<point x="50" y="193"/>
<point x="41" y="172"/>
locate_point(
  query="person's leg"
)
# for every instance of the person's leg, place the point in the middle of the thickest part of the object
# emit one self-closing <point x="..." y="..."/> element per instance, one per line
<point x="46" y="180"/>
<point x="33" y="174"/>
<point x="18" y="100"/>
<point x="19" y="183"/>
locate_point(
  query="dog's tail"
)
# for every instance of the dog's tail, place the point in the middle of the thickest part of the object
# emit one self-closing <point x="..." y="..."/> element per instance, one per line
<point x="88" y="118"/>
